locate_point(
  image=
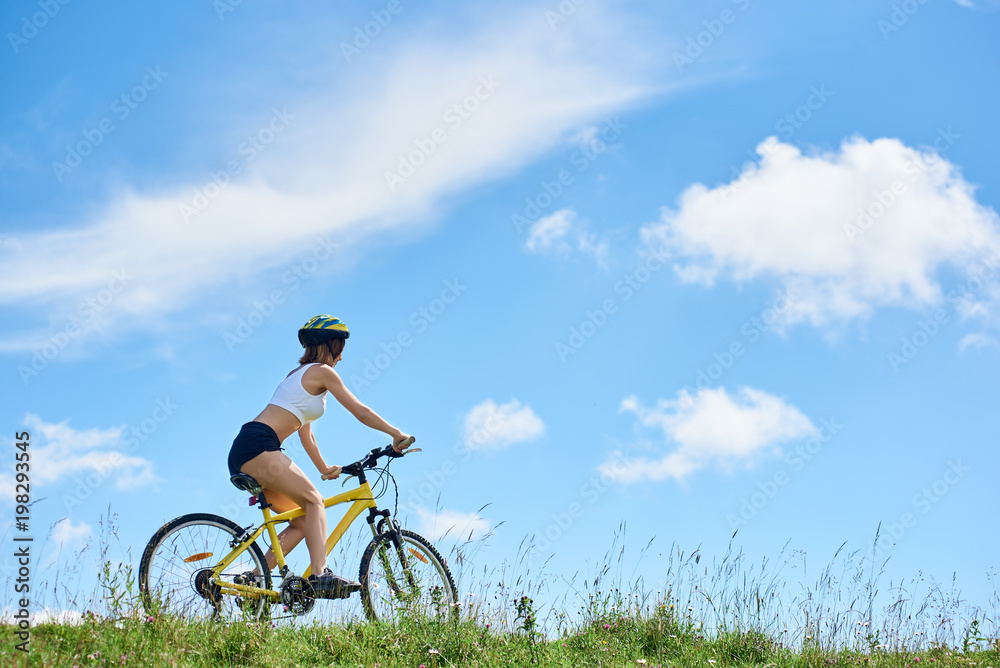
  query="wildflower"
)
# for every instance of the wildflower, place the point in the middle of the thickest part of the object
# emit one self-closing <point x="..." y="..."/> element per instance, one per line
<point x="607" y="626"/>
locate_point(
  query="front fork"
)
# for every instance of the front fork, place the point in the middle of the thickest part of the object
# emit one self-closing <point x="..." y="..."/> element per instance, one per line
<point x="382" y="522"/>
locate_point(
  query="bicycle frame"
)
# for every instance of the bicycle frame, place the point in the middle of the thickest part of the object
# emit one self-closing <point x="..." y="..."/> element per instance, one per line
<point x="362" y="499"/>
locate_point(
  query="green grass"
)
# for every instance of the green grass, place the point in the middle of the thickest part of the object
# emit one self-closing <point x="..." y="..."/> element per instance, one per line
<point x="728" y="613"/>
<point x="657" y="639"/>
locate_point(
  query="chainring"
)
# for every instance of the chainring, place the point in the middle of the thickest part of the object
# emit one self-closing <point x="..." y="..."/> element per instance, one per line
<point x="297" y="595"/>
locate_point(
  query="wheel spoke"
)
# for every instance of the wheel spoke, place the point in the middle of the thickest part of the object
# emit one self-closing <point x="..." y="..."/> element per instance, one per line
<point x="411" y="578"/>
<point x="174" y="583"/>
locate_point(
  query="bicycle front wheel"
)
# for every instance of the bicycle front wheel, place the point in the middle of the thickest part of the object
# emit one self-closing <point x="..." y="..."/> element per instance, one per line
<point x="175" y="571"/>
<point x="402" y="573"/>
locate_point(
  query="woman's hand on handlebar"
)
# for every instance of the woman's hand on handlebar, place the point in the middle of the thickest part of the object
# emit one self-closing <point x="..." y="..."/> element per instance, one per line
<point x="331" y="473"/>
<point x="401" y="442"/>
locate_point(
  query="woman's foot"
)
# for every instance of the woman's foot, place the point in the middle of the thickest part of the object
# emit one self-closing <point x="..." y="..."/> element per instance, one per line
<point x="329" y="585"/>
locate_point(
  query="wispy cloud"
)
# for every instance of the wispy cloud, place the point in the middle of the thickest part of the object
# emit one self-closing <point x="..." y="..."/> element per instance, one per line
<point x="65" y="537"/>
<point x="326" y="172"/>
<point x="561" y="233"/>
<point x="871" y="225"/>
<point x="977" y="340"/>
<point x="451" y="523"/>
<point x="983" y="5"/>
<point x="710" y="427"/>
<point x="91" y="457"/>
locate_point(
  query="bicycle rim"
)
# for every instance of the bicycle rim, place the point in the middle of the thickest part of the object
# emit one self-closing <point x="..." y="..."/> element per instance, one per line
<point x="411" y="579"/>
<point x="174" y="576"/>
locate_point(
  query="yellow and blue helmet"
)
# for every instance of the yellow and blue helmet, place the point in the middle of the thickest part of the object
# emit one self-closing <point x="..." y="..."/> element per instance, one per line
<point x="321" y="329"/>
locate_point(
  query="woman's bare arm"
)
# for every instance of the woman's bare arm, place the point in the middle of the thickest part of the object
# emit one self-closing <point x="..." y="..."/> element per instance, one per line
<point x="312" y="449"/>
<point x="335" y="386"/>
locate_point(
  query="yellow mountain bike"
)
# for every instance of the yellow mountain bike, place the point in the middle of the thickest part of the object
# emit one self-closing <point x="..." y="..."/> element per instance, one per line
<point x="206" y="566"/>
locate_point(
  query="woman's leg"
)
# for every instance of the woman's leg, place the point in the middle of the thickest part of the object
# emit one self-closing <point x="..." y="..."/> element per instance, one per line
<point x="275" y="471"/>
<point x="293" y="533"/>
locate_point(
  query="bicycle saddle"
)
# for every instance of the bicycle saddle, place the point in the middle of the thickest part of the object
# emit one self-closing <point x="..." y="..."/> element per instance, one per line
<point x="246" y="483"/>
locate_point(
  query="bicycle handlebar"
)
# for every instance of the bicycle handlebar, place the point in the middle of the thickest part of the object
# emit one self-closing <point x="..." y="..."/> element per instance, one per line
<point x="372" y="458"/>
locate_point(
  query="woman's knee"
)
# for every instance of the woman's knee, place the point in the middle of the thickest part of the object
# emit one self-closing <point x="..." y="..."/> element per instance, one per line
<point x="312" y="498"/>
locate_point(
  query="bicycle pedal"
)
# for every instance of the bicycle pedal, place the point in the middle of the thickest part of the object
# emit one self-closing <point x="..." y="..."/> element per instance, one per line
<point x="345" y="590"/>
<point x="337" y="588"/>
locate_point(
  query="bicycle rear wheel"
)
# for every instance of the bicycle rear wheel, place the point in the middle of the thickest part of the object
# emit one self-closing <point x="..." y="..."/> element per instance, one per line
<point x="174" y="574"/>
<point x="402" y="573"/>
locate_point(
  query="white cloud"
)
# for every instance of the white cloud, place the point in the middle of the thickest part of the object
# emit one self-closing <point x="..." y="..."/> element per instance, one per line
<point x="86" y="458"/>
<point x="66" y="537"/>
<point x="551" y="231"/>
<point x="831" y="229"/>
<point x="489" y="426"/>
<point x="462" y="526"/>
<point x="709" y="428"/>
<point x="985" y="5"/>
<point x="324" y="176"/>
<point x="67" y="534"/>
<point x="977" y="340"/>
<point x="560" y="233"/>
<point x="47" y="616"/>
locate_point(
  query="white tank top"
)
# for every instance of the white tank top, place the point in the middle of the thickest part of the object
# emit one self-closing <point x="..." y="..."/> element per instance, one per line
<point x="291" y="396"/>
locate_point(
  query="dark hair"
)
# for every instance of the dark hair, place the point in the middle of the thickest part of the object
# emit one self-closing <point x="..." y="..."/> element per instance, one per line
<point x="324" y="353"/>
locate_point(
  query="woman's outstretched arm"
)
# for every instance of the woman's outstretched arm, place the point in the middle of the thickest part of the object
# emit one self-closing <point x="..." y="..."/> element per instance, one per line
<point x="365" y="415"/>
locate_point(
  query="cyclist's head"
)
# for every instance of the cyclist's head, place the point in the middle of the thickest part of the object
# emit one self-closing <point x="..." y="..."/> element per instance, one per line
<point x="323" y="338"/>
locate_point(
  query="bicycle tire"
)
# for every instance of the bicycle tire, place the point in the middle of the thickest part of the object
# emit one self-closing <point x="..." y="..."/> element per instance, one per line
<point x="386" y="597"/>
<point x="176" y="561"/>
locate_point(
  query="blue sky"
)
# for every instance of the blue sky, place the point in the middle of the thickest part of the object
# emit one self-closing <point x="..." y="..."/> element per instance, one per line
<point x="697" y="266"/>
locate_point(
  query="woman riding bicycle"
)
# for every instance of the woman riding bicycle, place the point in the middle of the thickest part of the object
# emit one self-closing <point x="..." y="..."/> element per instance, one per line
<point x="299" y="400"/>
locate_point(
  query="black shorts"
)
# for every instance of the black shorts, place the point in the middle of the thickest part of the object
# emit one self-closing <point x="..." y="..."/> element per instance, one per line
<point x="253" y="439"/>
